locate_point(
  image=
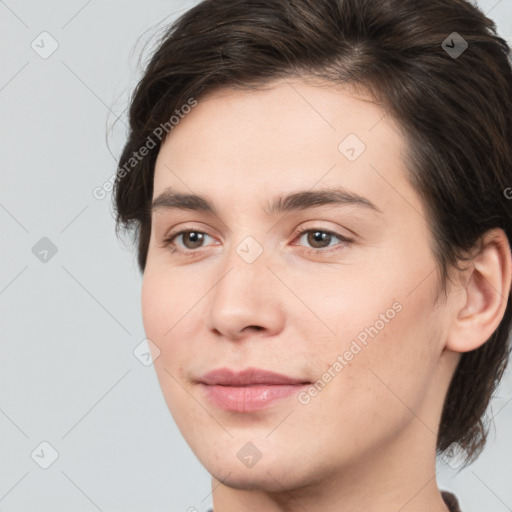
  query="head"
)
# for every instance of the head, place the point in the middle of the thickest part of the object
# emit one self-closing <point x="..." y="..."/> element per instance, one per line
<point x="394" y="306"/>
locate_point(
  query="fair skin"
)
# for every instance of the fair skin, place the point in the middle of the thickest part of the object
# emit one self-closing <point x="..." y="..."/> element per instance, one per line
<point x="366" y="441"/>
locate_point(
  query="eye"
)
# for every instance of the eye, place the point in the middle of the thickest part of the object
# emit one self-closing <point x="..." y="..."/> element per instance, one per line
<point x="320" y="239"/>
<point x="191" y="239"/>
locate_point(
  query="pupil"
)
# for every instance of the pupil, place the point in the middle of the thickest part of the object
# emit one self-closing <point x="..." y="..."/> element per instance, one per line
<point x="195" y="237"/>
<point x="319" y="236"/>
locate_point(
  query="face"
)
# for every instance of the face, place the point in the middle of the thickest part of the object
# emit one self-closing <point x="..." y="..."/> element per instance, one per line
<point x="307" y="257"/>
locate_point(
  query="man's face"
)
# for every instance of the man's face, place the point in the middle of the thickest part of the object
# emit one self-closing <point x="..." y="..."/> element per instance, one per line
<point x="355" y="319"/>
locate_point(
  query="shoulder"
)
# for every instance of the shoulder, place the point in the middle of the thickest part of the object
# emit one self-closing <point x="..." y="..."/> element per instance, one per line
<point x="449" y="499"/>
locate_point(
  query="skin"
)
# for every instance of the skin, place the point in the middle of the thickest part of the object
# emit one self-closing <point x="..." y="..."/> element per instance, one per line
<point x="367" y="440"/>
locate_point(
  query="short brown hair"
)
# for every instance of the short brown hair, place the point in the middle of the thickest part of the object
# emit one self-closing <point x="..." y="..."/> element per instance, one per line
<point x="455" y="112"/>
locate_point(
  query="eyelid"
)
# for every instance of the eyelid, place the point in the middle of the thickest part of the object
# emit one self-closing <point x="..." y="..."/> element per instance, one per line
<point x="169" y="238"/>
<point x="171" y="233"/>
<point x="343" y="240"/>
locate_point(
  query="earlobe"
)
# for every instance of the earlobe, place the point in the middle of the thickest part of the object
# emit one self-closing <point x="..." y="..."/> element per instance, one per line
<point x="487" y="291"/>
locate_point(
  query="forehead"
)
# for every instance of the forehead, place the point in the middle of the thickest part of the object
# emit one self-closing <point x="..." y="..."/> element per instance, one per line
<point x="289" y="114"/>
<point x="290" y="135"/>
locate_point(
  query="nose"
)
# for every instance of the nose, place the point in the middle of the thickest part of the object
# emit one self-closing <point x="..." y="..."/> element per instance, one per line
<point x="246" y="299"/>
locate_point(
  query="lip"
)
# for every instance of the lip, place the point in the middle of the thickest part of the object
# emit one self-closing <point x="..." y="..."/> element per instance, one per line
<point x="249" y="390"/>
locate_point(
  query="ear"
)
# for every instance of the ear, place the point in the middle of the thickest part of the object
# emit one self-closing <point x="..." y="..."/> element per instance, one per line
<point x="486" y="291"/>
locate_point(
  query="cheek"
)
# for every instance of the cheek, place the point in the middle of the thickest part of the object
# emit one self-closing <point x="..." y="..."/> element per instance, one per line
<point x="162" y="308"/>
<point x="155" y="312"/>
<point x="167" y="304"/>
<point x="385" y="342"/>
<point x="163" y="305"/>
<point x="383" y="384"/>
<point x="172" y="318"/>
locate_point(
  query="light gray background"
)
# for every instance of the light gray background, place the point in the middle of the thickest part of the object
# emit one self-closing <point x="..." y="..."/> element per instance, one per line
<point x="69" y="325"/>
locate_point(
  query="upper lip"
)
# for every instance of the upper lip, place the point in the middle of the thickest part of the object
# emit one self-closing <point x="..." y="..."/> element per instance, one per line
<point x="246" y="377"/>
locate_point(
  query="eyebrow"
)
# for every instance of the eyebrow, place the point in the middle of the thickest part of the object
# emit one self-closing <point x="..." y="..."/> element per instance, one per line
<point x="295" y="201"/>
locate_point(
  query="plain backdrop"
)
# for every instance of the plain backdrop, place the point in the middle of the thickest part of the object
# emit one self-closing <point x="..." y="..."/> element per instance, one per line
<point x="74" y="396"/>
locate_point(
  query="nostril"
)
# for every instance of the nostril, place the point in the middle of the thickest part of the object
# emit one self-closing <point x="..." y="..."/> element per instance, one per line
<point x="254" y="327"/>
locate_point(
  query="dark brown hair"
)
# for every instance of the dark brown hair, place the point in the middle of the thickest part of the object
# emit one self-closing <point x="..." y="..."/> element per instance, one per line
<point x="455" y="112"/>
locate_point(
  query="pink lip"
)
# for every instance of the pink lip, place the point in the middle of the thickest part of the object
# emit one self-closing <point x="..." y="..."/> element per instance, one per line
<point x="250" y="390"/>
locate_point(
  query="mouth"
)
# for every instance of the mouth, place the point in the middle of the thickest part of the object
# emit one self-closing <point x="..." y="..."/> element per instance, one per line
<point x="250" y="390"/>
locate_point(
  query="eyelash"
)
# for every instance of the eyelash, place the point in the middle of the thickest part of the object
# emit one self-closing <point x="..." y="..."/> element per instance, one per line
<point x="193" y="252"/>
<point x="309" y="250"/>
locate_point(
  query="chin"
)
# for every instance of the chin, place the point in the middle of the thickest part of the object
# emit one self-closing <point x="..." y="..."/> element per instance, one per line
<point x="268" y="476"/>
<point x="248" y="480"/>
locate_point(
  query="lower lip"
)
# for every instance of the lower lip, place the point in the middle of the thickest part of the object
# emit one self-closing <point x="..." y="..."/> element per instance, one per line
<point x="249" y="398"/>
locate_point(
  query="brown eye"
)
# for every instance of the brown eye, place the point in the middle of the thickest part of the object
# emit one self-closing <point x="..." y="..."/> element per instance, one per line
<point x="319" y="239"/>
<point x="192" y="239"/>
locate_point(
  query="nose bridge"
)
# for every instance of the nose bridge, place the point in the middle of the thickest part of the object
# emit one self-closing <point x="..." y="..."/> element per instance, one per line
<point x="242" y="295"/>
<point x="243" y="268"/>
